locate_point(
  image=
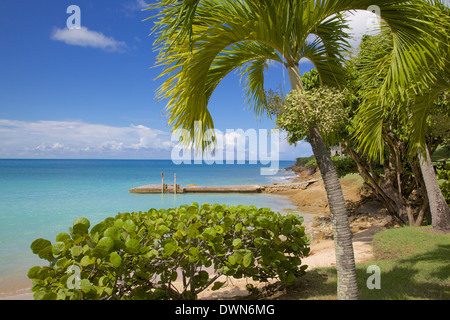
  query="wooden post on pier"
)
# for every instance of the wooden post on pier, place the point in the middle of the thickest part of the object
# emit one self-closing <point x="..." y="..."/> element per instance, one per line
<point x="175" y="183"/>
<point x="162" y="182"/>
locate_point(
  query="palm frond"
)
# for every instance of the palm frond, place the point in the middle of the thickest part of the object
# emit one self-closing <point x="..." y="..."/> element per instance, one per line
<point x="405" y="78"/>
<point x="327" y="50"/>
<point x="368" y="128"/>
<point x="201" y="41"/>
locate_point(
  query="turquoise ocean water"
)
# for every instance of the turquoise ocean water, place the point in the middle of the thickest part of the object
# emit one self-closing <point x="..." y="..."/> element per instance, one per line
<point x="41" y="198"/>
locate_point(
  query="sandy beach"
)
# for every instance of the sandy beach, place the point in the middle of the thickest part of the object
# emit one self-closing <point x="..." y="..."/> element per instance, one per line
<point x="312" y="201"/>
<point x="322" y="255"/>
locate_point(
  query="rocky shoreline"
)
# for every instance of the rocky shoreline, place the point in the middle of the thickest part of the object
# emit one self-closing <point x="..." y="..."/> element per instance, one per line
<point x="321" y="227"/>
<point x="365" y="211"/>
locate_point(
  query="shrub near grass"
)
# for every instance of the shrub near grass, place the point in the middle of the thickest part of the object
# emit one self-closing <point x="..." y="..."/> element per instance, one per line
<point x="142" y="255"/>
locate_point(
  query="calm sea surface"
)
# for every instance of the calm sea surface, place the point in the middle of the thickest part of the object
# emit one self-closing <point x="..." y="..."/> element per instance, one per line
<point x="41" y="198"/>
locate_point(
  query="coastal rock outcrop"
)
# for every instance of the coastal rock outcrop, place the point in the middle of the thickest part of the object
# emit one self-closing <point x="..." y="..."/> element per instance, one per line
<point x="321" y="228"/>
<point x="277" y="187"/>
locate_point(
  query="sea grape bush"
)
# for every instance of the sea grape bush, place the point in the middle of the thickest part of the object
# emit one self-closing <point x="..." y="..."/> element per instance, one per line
<point x="169" y="254"/>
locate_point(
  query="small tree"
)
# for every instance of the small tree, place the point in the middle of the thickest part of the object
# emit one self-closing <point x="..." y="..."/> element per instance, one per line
<point x="317" y="116"/>
<point x="323" y="108"/>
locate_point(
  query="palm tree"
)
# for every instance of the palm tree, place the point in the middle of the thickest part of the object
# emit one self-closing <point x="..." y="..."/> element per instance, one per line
<point x="201" y="41"/>
<point x="440" y="211"/>
<point x="425" y="83"/>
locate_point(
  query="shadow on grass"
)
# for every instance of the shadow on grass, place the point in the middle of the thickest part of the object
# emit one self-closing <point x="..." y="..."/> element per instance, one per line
<point x="421" y="276"/>
<point x="417" y="276"/>
<point x="440" y="257"/>
<point x="399" y="284"/>
<point x="317" y="284"/>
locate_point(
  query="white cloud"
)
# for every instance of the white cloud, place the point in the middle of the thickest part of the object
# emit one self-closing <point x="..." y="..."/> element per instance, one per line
<point x="81" y="140"/>
<point x="136" y="5"/>
<point x="55" y="146"/>
<point x="237" y="144"/>
<point x="290" y="152"/>
<point x="84" y="37"/>
<point x="361" y="22"/>
<point x="148" y="137"/>
<point x="141" y="4"/>
<point x="78" y="139"/>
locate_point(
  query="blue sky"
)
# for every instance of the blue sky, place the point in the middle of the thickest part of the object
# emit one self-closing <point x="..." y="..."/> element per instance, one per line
<point x="92" y="95"/>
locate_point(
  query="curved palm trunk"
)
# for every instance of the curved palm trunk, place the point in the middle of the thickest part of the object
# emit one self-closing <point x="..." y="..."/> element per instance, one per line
<point x="440" y="212"/>
<point x="345" y="258"/>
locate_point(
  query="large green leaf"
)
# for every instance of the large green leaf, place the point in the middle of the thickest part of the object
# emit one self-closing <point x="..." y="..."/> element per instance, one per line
<point x="76" y="251"/>
<point x="132" y="246"/>
<point x="39" y="244"/>
<point x="103" y="247"/>
<point x="237" y="243"/>
<point x="115" y="259"/>
<point x="81" y="226"/>
<point x="43" y="248"/>
<point x="129" y="226"/>
<point x="247" y="259"/>
<point x="170" y="248"/>
<point x="63" y="237"/>
<point x="85" y="285"/>
<point x="112" y="232"/>
<point x="57" y="248"/>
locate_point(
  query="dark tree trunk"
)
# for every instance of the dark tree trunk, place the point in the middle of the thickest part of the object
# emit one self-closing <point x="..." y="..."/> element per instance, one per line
<point x="395" y="187"/>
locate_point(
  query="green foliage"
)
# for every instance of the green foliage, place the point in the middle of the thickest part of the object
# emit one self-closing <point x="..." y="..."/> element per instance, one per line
<point x="443" y="176"/>
<point x="276" y="99"/>
<point x="323" y="107"/>
<point x="141" y="255"/>
<point x="306" y="162"/>
<point x="392" y="85"/>
<point x="439" y="120"/>
<point x="344" y="165"/>
<point x="200" y="42"/>
<point x="442" y="153"/>
<point x="311" y="80"/>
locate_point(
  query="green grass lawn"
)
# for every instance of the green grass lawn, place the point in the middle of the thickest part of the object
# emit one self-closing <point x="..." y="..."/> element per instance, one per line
<point x="414" y="264"/>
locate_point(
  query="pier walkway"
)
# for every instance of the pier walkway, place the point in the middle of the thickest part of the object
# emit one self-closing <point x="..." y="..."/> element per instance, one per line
<point x="169" y="188"/>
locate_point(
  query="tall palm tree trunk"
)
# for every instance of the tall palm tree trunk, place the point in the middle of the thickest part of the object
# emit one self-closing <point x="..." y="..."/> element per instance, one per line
<point x="345" y="258"/>
<point x="440" y="211"/>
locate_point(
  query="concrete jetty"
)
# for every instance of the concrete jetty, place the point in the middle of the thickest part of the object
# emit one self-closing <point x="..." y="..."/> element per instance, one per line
<point x="169" y="188"/>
